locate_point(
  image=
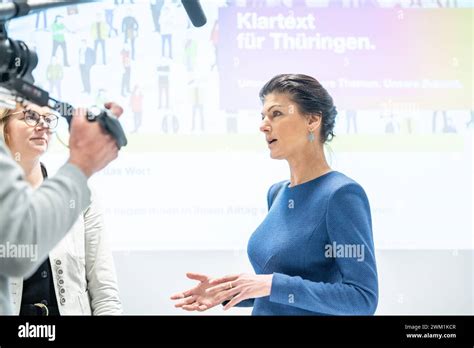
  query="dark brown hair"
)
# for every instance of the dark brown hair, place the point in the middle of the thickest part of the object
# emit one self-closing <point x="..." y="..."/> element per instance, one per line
<point x="310" y="97"/>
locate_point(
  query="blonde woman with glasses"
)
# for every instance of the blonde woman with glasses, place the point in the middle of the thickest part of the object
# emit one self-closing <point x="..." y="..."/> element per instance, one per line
<point x="78" y="277"/>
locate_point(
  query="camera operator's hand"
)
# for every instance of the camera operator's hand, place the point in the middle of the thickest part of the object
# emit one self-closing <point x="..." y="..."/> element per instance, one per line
<point x="91" y="148"/>
<point x="116" y="109"/>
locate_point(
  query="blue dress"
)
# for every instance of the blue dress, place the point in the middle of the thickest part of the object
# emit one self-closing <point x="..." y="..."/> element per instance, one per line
<point x="317" y="242"/>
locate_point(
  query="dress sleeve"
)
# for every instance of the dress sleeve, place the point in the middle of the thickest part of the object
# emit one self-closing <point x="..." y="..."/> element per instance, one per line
<point x="348" y="223"/>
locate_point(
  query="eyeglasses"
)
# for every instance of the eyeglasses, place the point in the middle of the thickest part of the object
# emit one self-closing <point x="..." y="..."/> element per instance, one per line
<point x="32" y="119"/>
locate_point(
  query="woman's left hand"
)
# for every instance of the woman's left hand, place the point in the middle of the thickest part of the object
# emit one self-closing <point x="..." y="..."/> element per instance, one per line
<point x="241" y="287"/>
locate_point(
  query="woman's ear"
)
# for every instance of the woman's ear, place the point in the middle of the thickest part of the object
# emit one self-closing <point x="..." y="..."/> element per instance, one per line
<point x="7" y="137"/>
<point x="314" y="122"/>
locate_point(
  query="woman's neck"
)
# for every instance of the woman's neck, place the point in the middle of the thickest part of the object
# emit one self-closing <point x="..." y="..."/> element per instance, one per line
<point x="33" y="173"/>
<point x="307" y="166"/>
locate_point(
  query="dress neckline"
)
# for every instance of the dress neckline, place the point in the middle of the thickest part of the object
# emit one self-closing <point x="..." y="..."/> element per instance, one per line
<point x="312" y="181"/>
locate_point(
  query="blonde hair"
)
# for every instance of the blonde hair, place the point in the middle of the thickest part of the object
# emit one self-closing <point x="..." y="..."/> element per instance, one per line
<point x="4" y="118"/>
<point x="5" y="114"/>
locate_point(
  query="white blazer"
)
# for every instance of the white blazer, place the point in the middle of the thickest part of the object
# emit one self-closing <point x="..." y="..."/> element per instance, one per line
<point x="83" y="270"/>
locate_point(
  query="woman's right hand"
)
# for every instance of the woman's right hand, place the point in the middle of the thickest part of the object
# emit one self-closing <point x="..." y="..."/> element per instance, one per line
<point x="197" y="299"/>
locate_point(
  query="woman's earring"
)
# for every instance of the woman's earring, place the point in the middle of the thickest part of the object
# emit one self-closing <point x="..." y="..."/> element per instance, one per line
<point x="311" y="137"/>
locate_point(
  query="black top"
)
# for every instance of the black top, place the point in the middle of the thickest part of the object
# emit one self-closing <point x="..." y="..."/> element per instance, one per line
<point x="39" y="288"/>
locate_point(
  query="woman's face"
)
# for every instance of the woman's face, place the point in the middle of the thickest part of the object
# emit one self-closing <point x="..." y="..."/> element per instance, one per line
<point x="28" y="141"/>
<point x="285" y="129"/>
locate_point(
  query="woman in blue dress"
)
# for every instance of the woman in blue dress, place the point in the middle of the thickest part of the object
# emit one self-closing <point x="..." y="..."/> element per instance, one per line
<point x="314" y="252"/>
